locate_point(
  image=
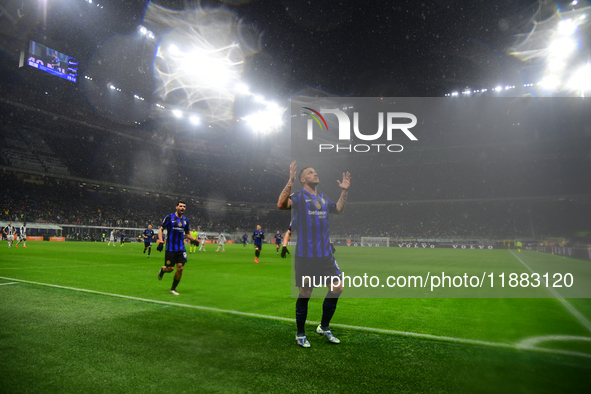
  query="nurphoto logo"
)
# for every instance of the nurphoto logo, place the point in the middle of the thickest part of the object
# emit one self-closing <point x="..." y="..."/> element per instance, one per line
<point x="392" y="125"/>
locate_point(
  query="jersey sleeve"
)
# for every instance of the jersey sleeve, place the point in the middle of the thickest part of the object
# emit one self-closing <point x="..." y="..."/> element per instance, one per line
<point x="332" y="207"/>
<point x="187" y="227"/>
<point x="165" y="221"/>
<point x="295" y="198"/>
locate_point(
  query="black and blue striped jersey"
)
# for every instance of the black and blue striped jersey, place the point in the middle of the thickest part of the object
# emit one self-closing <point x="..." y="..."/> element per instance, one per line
<point x="258" y="237"/>
<point x="312" y="224"/>
<point x="149" y="234"/>
<point x="176" y="228"/>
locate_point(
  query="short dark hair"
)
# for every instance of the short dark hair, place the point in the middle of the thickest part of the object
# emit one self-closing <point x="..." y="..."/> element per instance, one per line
<point x="180" y="202"/>
<point x="300" y="174"/>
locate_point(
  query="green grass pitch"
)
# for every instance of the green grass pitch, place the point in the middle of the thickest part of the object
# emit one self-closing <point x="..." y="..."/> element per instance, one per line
<point x="92" y="318"/>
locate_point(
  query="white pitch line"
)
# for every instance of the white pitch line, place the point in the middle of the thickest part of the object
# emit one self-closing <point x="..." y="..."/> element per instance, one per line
<point x="9" y="283"/>
<point x="582" y="319"/>
<point x="520" y="346"/>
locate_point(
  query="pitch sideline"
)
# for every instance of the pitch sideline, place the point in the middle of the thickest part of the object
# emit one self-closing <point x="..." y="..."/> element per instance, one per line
<point x="527" y="344"/>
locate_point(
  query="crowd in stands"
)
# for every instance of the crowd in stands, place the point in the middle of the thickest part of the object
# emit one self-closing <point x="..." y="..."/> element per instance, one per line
<point x="498" y="189"/>
<point x="57" y="201"/>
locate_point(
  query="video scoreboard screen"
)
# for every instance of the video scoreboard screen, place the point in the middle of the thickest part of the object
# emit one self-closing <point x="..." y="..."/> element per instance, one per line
<point x="51" y="61"/>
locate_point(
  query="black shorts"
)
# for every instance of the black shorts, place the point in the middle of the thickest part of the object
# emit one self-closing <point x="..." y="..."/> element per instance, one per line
<point x="258" y="246"/>
<point x="318" y="269"/>
<point x="171" y="259"/>
<point x="147" y="244"/>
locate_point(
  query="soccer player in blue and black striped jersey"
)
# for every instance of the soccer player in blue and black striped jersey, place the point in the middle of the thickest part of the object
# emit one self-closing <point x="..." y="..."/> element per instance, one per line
<point x="257" y="239"/>
<point x="148" y="235"/>
<point x="177" y="228"/>
<point x="313" y="252"/>
<point x="278" y="240"/>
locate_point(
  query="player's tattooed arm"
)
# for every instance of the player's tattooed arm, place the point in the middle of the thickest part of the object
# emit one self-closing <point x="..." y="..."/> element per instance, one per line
<point x="344" y="185"/>
<point x="284" y="199"/>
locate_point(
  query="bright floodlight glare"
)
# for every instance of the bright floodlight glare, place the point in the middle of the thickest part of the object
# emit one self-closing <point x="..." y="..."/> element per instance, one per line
<point x="112" y="87"/>
<point x="498" y="88"/>
<point x="267" y="120"/>
<point x="143" y="30"/>
<point x="551" y="82"/>
<point x="242" y="89"/>
<point x="195" y="120"/>
<point x="581" y="80"/>
<point x="177" y="113"/>
<point x="567" y="27"/>
<point x="200" y="60"/>
<point x="561" y="47"/>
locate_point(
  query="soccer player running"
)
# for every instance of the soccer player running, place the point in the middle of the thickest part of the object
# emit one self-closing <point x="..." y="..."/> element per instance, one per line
<point x="9" y="232"/>
<point x="22" y="235"/>
<point x="193" y="248"/>
<point x="313" y="255"/>
<point x="112" y="238"/>
<point x="202" y="237"/>
<point x="177" y="228"/>
<point x="122" y="236"/>
<point x="148" y="235"/>
<point x="221" y="240"/>
<point x="278" y="240"/>
<point x="244" y="241"/>
<point x="257" y="238"/>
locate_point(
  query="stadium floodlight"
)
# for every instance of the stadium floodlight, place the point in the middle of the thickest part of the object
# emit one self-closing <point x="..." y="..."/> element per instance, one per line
<point x="581" y="80"/>
<point x="267" y="120"/>
<point x="112" y="87"/>
<point x="567" y="27"/>
<point x="242" y="88"/>
<point x="259" y="99"/>
<point x="561" y="48"/>
<point x="199" y="61"/>
<point x="177" y="113"/>
<point x="195" y="120"/>
<point x="551" y="82"/>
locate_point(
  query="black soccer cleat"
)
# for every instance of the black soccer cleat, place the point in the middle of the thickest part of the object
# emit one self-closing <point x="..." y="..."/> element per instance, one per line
<point x="161" y="273"/>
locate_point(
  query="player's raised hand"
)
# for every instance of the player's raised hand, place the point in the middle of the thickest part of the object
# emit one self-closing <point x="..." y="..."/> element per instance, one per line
<point x="292" y="171"/>
<point x="346" y="181"/>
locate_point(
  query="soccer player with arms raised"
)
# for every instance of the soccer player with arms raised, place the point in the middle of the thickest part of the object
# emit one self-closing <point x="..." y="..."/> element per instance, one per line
<point x="177" y="228"/>
<point x="313" y="251"/>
